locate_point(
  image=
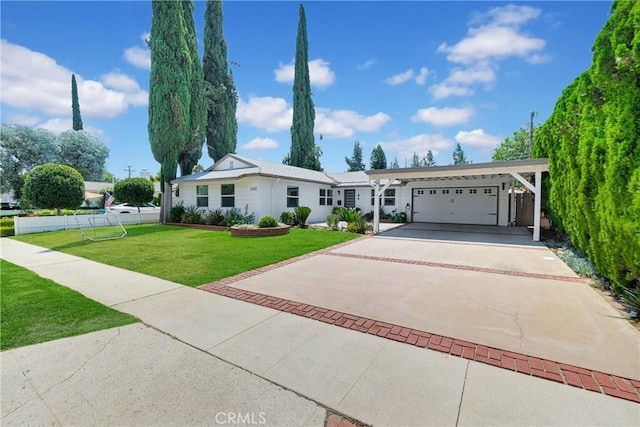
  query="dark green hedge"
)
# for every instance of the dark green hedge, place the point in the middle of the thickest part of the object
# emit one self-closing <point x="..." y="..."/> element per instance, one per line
<point x="591" y="140"/>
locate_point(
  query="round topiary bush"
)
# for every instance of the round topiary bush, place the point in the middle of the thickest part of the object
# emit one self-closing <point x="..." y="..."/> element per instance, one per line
<point x="53" y="186"/>
<point x="136" y="191"/>
<point x="267" y="221"/>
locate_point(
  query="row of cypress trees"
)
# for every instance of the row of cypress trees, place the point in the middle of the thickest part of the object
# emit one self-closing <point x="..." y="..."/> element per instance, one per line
<point x="187" y="103"/>
<point x="592" y="142"/>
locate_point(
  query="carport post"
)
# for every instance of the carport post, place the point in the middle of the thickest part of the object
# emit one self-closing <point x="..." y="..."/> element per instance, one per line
<point x="376" y="208"/>
<point x="537" y="207"/>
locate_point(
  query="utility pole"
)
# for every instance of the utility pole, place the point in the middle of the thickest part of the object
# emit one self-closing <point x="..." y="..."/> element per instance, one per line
<point x="129" y="170"/>
<point x="533" y="114"/>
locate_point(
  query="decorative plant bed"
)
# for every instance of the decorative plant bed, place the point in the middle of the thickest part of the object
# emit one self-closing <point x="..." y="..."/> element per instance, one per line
<point x="200" y="226"/>
<point x="249" y="231"/>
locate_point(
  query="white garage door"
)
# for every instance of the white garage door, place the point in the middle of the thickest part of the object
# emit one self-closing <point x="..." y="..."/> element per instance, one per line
<point x="456" y="205"/>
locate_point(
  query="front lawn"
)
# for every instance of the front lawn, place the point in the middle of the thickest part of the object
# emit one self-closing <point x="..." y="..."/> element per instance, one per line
<point x="35" y="310"/>
<point x="188" y="256"/>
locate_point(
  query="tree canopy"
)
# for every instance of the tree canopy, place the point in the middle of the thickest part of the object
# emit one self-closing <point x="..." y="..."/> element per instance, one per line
<point x="136" y="191"/>
<point x="53" y="186"/>
<point x="83" y="152"/>
<point x="459" y="158"/>
<point x="220" y="91"/>
<point x="304" y="152"/>
<point x="355" y="163"/>
<point x="428" y="159"/>
<point x="197" y="109"/>
<point x="513" y="147"/>
<point x="169" y="91"/>
<point x="75" y="104"/>
<point x="592" y="142"/>
<point x="378" y="158"/>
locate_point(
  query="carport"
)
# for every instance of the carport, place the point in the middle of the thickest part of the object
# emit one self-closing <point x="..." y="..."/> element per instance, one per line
<point x="466" y="194"/>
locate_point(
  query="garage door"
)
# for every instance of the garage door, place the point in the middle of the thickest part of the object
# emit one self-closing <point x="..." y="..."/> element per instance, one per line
<point x="456" y="205"/>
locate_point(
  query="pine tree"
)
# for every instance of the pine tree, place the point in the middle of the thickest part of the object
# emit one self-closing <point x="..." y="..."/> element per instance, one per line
<point x="378" y="158"/>
<point x="75" y="104"/>
<point x="169" y="93"/>
<point x="197" y="111"/>
<point x="415" y="160"/>
<point x="220" y="91"/>
<point x="304" y="152"/>
<point x="459" y="158"/>
<point x="355" y="163"/>
<point x="394" y="164"/>
<point x="428" y="160"/>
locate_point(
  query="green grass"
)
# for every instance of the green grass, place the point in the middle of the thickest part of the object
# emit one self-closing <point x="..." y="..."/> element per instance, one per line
<point x="35" y="310"/>
<point x="185" y="255"/>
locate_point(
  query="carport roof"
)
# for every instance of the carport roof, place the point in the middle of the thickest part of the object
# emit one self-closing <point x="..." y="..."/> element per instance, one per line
<point x="522" y="167"/>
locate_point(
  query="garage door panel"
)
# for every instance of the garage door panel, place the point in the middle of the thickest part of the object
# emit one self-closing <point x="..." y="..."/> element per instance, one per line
<point x="456" y="205"/>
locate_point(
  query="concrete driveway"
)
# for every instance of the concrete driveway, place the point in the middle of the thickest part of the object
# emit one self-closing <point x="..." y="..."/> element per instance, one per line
<point x="515" y="295"/>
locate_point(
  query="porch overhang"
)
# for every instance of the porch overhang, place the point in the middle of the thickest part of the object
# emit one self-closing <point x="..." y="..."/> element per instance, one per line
<point x="521" y="170"/>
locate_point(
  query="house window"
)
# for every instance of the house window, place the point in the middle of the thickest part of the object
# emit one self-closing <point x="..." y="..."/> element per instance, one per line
<point x="487" y="191"/>
<point x="473" y="191"/>
<point x="433" y="191"/>
<point x="458" y="191"/>
<point x="293" y="195"/>
<point x="389" y="197"/>
<point x="445" y="191"/>
<point x="228" y="193"/>
<point x="326" y="197"/>
<point x="202" y="196"/>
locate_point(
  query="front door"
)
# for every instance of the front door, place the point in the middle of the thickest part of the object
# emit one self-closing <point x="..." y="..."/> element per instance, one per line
<point x="349" y="198"/>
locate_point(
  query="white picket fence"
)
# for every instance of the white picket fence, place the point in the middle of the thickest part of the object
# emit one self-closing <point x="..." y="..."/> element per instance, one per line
<point x="38" y="224"/>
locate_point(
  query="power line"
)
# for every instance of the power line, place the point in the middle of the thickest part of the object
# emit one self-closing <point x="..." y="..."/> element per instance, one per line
<point x="129" y="170"/>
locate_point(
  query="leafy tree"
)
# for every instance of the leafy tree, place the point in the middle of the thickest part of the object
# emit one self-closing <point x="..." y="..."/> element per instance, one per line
<point x="513" y="147"/>
<point x="136" y="191"/>
<point x="197" y="109"/>
<point x="109" y="177"/>
<point x="394" y="164"/>
<point x="22" y="148"/>
<point x="75" y="104"/>
<point x="459" y="158"/>
<point x="303" y="149"/>
<point x="53" y="186"/>
<point x="355" y="163"/>
<point x="169" y="93"/>
<point x="415" y="161"/>
<point x="378" y="158"/>
<point x="83" y="152"/>
<point x="221" y="95"/>
<point x="428" y="159"/>
<point x="591" y="140"/>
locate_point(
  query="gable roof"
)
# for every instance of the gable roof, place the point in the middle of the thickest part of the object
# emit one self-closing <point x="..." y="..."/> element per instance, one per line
<point x="226" y="168"/>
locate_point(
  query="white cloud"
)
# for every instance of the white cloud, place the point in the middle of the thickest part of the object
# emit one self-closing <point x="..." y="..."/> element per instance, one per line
<point x="421" y="78"/>
<point x="477" y="138"/>
<point x="366" y="64"/>
<point x="538" y="59"/>
<point x="22" y="119"/>
<point x="346" y="123"/>
<point x="400" y="78"/>
<point x="266" y="113"/>
<point x="491" y="42"/>
<point x="404" y="148"/>
<point x="33" y="81"/>
<point x="506" y="15"/>
<point x="445" y="90"/>
<point x="59" y="125"/>
<point x="480" y="72"/>
<point x="138" y="56"/>
<point x="320" y="73"/>
<point x="275" y="114"/>
<point x="443" y="117"/>
<point x="260" y="144"/>
<point x="133" y="93"/>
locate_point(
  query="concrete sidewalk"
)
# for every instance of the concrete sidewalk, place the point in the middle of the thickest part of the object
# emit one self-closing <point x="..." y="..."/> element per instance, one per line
<point x="368" y="378"/>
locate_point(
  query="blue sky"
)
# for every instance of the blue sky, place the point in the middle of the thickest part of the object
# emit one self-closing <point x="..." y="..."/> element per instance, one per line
<point x="411" y="76"/>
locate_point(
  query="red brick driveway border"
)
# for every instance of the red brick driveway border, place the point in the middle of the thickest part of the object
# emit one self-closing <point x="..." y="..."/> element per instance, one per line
<point x="599" y="382"/>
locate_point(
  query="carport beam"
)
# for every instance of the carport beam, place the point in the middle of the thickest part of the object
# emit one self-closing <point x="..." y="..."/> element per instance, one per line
<point x="376" y="203"/>
<point x="537" y="192"/>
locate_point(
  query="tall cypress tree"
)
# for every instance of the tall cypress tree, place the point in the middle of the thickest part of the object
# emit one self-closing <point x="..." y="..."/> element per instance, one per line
<point x="221" y="95"/>
<point x="304" y="152"/>
<point x="75" y="105"/>
<point x="169" y="93"/>
<point x="197" y="110"/>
